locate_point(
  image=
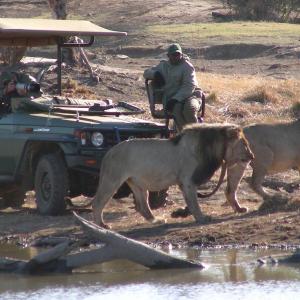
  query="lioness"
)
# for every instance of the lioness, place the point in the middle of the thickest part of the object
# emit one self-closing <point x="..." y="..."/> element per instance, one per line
<point x="276" y="148"/>
<point x="188" y="160"/>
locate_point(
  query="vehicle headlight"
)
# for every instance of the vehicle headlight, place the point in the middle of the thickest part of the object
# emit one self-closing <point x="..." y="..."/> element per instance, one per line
<point x="97" y="139"/>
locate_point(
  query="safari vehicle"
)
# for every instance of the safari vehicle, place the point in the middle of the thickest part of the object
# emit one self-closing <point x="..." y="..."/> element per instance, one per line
<point x="54" y="145"/>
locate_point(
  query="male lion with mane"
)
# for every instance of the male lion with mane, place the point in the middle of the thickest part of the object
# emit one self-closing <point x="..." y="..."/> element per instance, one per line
<point x="276" y="148"/>
<point x="188" y="160"/>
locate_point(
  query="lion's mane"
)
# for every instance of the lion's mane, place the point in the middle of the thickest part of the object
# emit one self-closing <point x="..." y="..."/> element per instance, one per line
<point x="210" y="149"/>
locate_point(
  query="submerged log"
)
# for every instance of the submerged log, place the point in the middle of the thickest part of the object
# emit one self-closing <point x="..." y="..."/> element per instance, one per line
<point x="115" y="246"/>
<point x="125" y="248"/>
<point x="294" y="258"/>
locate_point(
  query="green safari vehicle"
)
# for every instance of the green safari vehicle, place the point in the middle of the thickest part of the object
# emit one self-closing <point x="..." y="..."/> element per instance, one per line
<point x="54" y="145"/>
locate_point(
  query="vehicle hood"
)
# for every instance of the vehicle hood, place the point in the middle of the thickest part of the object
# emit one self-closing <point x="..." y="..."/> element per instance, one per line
<point x="43" y="119"/>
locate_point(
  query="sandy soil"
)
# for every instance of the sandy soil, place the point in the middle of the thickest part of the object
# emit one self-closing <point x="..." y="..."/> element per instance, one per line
<point x="275" y="224"/>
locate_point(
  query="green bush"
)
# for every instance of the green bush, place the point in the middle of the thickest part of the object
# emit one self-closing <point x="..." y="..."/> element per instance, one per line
<point x="279" y="10"/>
<point x="295" y="109"/>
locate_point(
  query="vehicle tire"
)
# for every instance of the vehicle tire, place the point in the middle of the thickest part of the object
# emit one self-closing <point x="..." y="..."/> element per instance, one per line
<point x="158" y="199"/>
<point x="51" y="185"/>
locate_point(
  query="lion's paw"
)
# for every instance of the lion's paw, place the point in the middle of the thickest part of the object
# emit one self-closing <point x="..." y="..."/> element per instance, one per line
<point x="242" y="210"/>
<point x="182" y="212"/>
<point x="159" y="220"/>
<point x="225" y="204"/>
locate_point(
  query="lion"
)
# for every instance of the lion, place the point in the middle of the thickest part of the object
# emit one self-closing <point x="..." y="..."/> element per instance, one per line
<point x="276" y="148"/>
<point x="187" y="160"/>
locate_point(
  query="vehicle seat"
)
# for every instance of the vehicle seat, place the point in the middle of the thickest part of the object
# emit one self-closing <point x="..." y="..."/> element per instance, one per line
<point x="155" y="102"/>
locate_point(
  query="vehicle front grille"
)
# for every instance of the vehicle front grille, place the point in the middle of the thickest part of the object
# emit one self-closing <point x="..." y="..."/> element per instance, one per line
<point x="113" y="138"/>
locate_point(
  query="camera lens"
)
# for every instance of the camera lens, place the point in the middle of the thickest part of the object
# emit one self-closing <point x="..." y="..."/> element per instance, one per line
<point x="28" y="87"/>
<point x="33" y="87"/>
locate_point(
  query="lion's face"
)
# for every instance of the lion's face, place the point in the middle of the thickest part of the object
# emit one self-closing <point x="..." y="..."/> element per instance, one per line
<point x="238" y="151"/>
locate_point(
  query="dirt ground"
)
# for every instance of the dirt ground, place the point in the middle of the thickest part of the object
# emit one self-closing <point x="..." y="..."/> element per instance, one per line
<point x="272" y="224"/>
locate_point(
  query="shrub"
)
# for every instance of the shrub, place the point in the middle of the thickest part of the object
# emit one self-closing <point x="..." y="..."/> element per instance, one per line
<point x="280" y="10"/>
<point x="295" y="109"/>
<point x="211" y="97"/>
<point x="71" y="88"/>
<point x="262" y="95"/>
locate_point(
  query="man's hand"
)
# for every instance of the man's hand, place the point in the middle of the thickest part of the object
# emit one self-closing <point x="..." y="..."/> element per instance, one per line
<point x="158" y="80"/>
<point x="170" y="104"/>
<point x="10" y="87"/>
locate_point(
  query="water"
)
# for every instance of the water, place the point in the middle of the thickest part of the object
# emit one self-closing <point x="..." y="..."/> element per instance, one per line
<point x="230" y="274"/>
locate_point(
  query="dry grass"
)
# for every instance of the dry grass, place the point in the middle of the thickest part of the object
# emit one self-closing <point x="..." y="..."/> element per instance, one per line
<point x="71" y="88"/>
<point x="261" y="94"/>
<point x="247" y="99"/>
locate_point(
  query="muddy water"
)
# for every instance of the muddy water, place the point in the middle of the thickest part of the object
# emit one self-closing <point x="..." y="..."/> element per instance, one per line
<point x="229" y="274"/>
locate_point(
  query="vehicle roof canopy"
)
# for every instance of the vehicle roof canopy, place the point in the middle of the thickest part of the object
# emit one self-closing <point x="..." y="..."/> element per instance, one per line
<point x="40" y="32"/>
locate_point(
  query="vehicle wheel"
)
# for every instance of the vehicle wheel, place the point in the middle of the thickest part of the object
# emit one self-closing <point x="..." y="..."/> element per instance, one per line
<point x="158" y="199"/>
<point x="51" y="185"/>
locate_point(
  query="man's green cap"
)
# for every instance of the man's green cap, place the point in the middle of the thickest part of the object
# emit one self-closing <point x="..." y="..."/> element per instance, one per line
<point x="174" y="48"/>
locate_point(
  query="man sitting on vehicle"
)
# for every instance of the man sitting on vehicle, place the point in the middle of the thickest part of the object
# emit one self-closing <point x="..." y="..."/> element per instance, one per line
<point x="176" y="78"/>
<point x="16" y="85"/>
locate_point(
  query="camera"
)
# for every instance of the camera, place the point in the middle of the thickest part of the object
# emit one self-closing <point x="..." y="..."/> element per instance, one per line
<point x="28" y="87"/>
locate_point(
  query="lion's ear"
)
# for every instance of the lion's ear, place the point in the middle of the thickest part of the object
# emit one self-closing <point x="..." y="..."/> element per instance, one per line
<point x="233" y="133"/>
